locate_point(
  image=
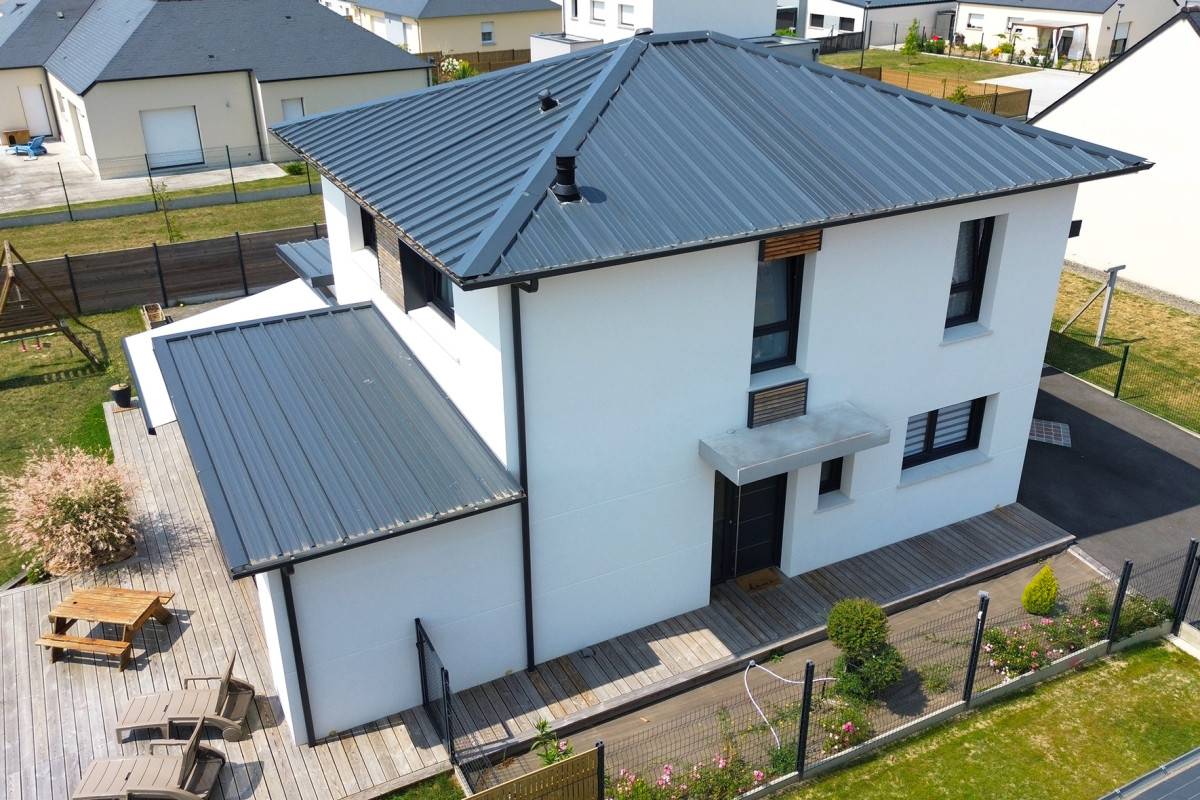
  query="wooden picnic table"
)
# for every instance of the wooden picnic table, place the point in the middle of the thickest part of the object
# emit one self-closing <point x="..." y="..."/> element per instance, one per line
<point x="129" y="609"/>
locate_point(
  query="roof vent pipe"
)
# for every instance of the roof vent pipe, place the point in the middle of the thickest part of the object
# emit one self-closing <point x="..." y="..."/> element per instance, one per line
<point x="643" y="31"/>
<point x="564" y="187"/>
<point x="546" y="98"/>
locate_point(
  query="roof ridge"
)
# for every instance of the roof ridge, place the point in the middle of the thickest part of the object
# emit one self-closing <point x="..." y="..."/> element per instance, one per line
<point x="493" y="240"/>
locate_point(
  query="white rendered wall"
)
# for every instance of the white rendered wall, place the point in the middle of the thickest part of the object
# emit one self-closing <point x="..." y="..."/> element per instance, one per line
<point x="355" y="613"/>
<point x="743" y="18"/>
<point x="1147" y="103"/>
<point x="898" y="360"/>
<point x="280" y="655"/>
<point x="471" y="360"/>
<point x="625" y="369"/>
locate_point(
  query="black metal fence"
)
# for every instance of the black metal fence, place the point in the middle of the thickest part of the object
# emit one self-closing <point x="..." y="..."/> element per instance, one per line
<point x="787" y="724"/>
<point x="1147" y="383"/>
<point x="451" y="718"/>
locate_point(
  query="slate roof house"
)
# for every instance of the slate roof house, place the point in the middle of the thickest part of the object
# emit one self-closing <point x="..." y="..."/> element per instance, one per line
<point x="635" y="321"/>
<point x="1149" y="100"/>
<point x="456" y="26"/>
<point x="118" y="80"/>
<point x="1096" y="30"/>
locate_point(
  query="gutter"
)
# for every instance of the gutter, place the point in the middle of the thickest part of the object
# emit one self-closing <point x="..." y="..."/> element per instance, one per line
<point x="297" y="656"/>
<point x="523" y="467"/>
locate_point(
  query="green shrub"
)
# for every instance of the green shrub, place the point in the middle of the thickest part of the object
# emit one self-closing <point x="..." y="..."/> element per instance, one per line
<point x="1096" y="602"/>
<point x="912" y="41"/>
<point x="845" y="726"/>
<point x="1012" y="652"/>
<point x="1139" y="613"/>
<point x="294" y="168"/>
<point x="1041" y="594"/>
<point x="857" y="627"/>
<point x="865" y="678"/>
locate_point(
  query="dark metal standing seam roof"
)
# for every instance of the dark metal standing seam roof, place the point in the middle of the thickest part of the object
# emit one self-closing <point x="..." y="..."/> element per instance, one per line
<point x="316" y="432"/>
<point x="684" y="141"/>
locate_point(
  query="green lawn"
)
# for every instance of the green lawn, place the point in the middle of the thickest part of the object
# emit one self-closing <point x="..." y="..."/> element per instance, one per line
<point x="1072" y="738"/>
<point x="940" y="66"/>
<point x="118" y="233"/>
<point x="54" y="396"/>
<point x="1163" y="374"/>
<point x="443" y="787"/>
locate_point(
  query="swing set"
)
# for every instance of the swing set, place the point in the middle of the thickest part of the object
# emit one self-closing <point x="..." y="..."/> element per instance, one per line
<point x="26" y="315"/>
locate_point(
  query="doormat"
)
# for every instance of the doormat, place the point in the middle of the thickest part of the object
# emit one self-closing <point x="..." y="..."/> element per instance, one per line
<point x="757" y="581"/>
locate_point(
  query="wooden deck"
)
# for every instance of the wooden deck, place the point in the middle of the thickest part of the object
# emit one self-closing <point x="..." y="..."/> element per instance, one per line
<point x="56" y="718"/>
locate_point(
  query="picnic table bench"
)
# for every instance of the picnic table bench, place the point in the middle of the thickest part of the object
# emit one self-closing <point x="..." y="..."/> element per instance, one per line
<point x="129" y="609"/>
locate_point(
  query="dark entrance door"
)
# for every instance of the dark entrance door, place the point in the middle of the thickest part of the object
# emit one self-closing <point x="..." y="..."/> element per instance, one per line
<point x="747" y="526"/>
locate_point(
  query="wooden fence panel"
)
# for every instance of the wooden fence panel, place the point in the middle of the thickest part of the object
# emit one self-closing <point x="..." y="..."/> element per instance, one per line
<point x="576" y="778"/>
<point x="53" y="272"/>
<point x="117" y="279"/>
<point x="263" y="267"/>
<point x="201" y="270"/>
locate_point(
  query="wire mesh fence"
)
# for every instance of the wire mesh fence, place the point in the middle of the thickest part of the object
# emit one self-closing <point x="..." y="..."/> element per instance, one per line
<point x="1150" y="384"/>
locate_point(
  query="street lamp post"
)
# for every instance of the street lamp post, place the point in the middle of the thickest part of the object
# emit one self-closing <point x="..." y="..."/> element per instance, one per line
<point x="1116" y="29"/>
<point x="862" y="55"/>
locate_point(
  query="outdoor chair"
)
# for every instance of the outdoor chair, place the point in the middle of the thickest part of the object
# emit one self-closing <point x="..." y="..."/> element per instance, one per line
<point x="32" y="150"/>
<point x="189" y="776"/>
<point x="225" y="707"/>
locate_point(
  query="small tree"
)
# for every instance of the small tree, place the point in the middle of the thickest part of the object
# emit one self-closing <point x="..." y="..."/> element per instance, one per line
<point x="69" y="511"/>
<point x="868" y="664"/>
<point x="912" y="41"/>
<point x="1041" y="594"/>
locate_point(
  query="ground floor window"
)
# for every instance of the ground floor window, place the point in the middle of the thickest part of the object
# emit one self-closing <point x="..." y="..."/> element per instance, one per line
<point x="943" y="432"/>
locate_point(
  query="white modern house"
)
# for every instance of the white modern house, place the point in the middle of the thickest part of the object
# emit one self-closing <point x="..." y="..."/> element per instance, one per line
<point x="1147" y="100"/>
<point x="886" y="21"/>
<point x="609" y="21"/>
<point x="636" y="321"/>
<point x="1096" y="30"/>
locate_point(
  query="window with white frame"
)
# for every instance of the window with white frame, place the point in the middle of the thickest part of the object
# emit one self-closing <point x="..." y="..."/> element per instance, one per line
<point x="943" y="432"/>
<point x="487" y="33"/>
<point x="970" y="270"/>
<point x="597" y="10"/>
<point x="625" y="15"/>
<point x="1013" y="21"/>
<point x="975" y="22"/>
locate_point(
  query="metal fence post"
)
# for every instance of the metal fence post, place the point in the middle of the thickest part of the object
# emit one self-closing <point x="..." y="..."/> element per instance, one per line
<point x="308" y="177"/>
<point x="600" y="770"/>
<point x="74" y="291"/>
<point x="421" y="661"/>
<point x="805" y="712"/>
<point x="1187" y="596"/>
<point x="232" y="182"/>
<point x="150" y="177"/>
<point x="237" y="237"/>
<point x="316" y="231"/>
<point x="976" y="645"/>
<point x="67" y="197"/>
<point x="1118" y="601"/>
<point x="1121" y="373"/>
<point x="446" y="715"/>
<point x="162" y="284"/>
<point x="1184" y="587"/>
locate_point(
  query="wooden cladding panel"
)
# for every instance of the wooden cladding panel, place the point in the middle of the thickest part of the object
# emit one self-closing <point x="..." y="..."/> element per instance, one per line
<point x="795" y="244"/>
<point x="576" y="778"/>
<point x="778" y="403"/>
<point x="391" y="275"/>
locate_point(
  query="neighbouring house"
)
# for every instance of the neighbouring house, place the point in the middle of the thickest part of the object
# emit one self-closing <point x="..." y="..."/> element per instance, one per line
<point x="1093" y="30"/>
<point x="887" y="21"/>
<point x="628" y="323"/>
<point x="457" y="26"/>
<point x="1148" y="100"/>
<point x="132" y="84"/>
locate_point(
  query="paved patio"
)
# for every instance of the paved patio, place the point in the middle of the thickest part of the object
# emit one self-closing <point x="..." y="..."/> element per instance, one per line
<point x="58" y="717"/>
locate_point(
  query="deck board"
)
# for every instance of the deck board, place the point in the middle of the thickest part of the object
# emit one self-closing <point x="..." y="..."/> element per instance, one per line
<point x="57" y="718"/>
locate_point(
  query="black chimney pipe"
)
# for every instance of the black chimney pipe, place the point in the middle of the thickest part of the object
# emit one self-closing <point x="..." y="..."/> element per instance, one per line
<point x="564" y="187"/>
<point x="546" y="99"/>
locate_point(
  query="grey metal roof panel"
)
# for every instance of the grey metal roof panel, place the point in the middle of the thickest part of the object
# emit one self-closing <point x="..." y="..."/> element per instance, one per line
<point x="309" y="259"/>
<point x="877" y="4"/>
<point x="132" y="39"/>
<point x="683" y="141"/>
<point x="1033" y="6"/>
<point x="320" y="431"/>
<point x="40" y="29"/>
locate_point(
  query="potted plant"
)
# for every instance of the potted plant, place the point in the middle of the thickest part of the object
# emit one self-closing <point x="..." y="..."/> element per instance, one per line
<point x="122" y="394"/>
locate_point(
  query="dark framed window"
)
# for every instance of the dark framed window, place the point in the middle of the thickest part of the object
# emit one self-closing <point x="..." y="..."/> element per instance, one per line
<point x="831" y="476"/>
<point x="816" y="20"/>
<point x="424" y="284"/>
<point x="367" y="220"/>
<point x="846" y="23"/>
<point x="943" y="432"/>
<point x="970" y="269"/>
<point x="776" y="313"/>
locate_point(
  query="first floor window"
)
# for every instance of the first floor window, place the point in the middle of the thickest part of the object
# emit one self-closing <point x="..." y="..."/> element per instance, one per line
<point x="776" y="313"/>
<point x="846" y="23"/>
<point x="831" y="476"/>
<point x="970" y="269"/>
<point x="625" y="15"/>
<point x="816" y="20"/>
<point x="424" y="284"/>
<point x="597" y="11"/>
<point x="943" y="432"/>
<point x="487" y="34"/>
<point x="367" y="222"/>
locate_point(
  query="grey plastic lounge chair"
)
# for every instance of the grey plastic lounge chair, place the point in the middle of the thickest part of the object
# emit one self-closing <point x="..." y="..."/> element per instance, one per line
<point x="189" y="776"/>
<point x="225" y="707"/>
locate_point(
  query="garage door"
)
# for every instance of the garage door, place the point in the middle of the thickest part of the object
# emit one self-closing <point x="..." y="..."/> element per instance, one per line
<point x="172" y="136"/>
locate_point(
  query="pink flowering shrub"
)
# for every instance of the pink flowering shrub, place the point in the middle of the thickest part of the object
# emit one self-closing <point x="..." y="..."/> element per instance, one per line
<point x="723" y="777"/>
<point x="548" y="747"/>
<point x="69" y="511"/>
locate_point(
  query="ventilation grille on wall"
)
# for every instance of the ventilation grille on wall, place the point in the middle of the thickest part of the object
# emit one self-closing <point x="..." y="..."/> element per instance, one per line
<point x="778" y="403"/>
<point x="795" y="244"/>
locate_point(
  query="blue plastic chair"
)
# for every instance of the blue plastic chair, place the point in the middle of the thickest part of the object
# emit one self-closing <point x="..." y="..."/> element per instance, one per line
<point x="33" y="149"/>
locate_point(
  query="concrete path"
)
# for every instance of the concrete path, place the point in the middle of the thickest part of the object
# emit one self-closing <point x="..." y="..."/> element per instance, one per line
<point x="1129" y="484"/>
<point x="1047" y="84"/>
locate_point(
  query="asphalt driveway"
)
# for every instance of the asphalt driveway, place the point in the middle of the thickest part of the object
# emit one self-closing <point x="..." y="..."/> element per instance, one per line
<point x="1129" y="485"/>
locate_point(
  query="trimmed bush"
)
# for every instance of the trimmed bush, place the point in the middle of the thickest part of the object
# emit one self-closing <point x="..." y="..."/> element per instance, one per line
<point x="857" y="627"/>
<point x="69" y="511"/>
<point x="1041" y="594"/>
<point x="865" y="678"/>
